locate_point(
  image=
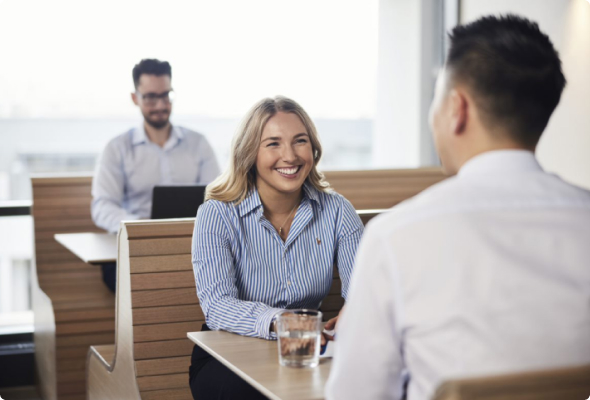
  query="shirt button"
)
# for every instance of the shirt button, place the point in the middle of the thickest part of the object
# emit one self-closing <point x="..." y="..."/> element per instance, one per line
<point x="289" y="283"/>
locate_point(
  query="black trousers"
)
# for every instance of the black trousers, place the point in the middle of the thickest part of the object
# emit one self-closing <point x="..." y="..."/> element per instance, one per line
<point x="211" y="380"/>
<point x="109" y="275"/>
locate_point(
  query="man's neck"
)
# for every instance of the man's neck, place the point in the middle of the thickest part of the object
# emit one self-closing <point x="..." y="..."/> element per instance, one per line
<point x="492" y="146"/>
<point x="158" y="136"/>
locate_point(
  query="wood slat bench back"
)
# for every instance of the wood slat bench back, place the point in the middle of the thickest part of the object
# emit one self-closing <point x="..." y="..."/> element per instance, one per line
<point x="380" y="189"/>
<point x="164" y="305"/>
<point x="73" y="308"/>
<point x="558" y="384"/>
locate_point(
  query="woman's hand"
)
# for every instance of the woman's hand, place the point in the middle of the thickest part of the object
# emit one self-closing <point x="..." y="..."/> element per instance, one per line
<point x="330" y="325"/>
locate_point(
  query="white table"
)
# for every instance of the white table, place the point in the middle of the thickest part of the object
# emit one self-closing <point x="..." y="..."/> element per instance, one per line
<point x="90" y="247"/>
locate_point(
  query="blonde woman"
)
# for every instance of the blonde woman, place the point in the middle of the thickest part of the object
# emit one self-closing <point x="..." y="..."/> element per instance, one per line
<point x="268" y="237"/>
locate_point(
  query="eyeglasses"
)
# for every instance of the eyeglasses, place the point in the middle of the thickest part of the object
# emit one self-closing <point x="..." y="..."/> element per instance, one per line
<point x="151" y="99"/>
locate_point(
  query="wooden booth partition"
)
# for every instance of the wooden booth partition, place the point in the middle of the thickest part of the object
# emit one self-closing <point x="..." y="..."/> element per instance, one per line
<point x="381" y="189"/>
<point x="559" y="384"/>
<point x="156" y="306"/>
<point x="72" y="306"/>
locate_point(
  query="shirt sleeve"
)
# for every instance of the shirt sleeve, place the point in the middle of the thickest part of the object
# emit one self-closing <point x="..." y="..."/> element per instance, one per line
<point x="214" y="266"/>
<point x="368" y="361"/>
<point x="208" y="168"/>
<point x="108" y="186"/>
<point x="349" y="236"/>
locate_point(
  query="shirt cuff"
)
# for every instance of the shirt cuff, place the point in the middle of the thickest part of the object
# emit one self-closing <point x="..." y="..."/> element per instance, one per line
<point x="264" y="322"/>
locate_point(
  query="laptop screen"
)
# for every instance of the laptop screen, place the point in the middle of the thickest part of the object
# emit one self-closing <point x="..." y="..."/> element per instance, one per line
<point x="177" y="201"/>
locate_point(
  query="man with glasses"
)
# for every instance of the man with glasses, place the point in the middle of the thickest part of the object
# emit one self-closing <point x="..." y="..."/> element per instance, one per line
<point x="155" y="153"/>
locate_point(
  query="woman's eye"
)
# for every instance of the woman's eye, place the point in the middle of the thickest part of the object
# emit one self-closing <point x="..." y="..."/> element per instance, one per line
<point x="272" y="144"/>
<point x="302" y="141"/>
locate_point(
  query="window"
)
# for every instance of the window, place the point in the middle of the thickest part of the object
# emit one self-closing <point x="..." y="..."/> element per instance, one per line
<point x="66" y="76"/>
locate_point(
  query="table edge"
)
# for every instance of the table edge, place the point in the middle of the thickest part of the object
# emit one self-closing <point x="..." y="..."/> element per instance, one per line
<point x="233" y="368"/>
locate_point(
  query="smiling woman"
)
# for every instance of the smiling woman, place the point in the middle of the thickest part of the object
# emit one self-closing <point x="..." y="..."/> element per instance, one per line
<point x="268" y="237"/>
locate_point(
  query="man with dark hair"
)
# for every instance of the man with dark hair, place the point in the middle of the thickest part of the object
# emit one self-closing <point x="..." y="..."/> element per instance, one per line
<point x="155" y="153"/>
<point x="487" y="272"/>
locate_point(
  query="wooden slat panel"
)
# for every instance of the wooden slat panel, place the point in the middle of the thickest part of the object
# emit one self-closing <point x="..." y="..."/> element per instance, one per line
<point x="326" y="315"/>
<point x="151" y="247"/>
<point x="71" y="276"/>
<point x="178" y="262"/>
<point x="162" y="280"/>
<point x="63" y="266"/>
<point x="70" y="212"/>
<point x="333" y="302"/>
<point x="56" y="257"/>
<point x="72" y="376"/>
<point x="162" y="366"/>
<point x="170" y="394"/>
<point x="85" y="340"/>
<point x="160" y="315"/>
<point x="171" y="381"/>
<point x="164" y="297"/>
<point x="48" y="235"/>
<point x="162" y="229"/>
<point x="77" y="190"/>
<point x="107" y="301"/>
<point x="71" y="328"/>
<point x="70" y="388"/>
<point x="68" y="179"/>
<point x="152" y="333"/>
<point x="336" y="287"/>
<point x="57" y="225"/>
<point x="67" y="353"/>
<point x="78" y="363"/>
<point x="106" y="351"/>
<point x="163" y="349"/>
<point x="80" y="396"/>
<point x="59" y="202"/>
<point x="85" y="315"/>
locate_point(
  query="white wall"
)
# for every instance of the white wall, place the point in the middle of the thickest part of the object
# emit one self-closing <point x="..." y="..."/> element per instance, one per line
<point x="565" y="145"/>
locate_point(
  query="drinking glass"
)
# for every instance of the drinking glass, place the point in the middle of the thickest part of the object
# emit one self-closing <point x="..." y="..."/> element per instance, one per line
<point x="299" y="338"/>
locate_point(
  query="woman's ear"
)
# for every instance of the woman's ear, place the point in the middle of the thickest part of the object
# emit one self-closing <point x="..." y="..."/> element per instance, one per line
<point x="315" y="154"/>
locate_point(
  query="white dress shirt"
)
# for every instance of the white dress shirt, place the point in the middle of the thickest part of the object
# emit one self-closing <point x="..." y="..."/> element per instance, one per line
<point x="131" y="165"/>
<point x="485" y="273"/>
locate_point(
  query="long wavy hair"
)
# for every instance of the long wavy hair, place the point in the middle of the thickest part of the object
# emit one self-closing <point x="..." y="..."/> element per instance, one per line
<point x="240" y="177"/>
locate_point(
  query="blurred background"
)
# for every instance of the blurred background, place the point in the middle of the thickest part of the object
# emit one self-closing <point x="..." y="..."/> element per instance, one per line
<point x="363" y="69"/>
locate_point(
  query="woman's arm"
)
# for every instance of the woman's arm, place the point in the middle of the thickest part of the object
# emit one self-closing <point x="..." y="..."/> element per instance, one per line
<point x="214" y="268"/>
<point x="349" y="231"/>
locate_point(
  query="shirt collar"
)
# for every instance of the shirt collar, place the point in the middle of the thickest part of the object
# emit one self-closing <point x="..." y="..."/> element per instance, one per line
<point x="252" y="201"/>
<point x="140" y="136"/>
<point x="501" y="161"/>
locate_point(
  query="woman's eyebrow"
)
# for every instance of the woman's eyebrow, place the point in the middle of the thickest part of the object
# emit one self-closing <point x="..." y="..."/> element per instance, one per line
<point x="273" y="138"/>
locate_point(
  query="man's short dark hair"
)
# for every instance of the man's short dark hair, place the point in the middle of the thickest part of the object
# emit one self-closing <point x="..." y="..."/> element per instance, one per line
<point x="513" y="70"/>
<point x="151" y="66"/>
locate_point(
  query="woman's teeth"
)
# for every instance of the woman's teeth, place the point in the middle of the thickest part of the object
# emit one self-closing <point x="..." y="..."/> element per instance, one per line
<point x="288" y="171"/>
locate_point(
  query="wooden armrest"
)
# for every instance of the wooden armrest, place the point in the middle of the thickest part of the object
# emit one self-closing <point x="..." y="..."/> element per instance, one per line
<point x="105" y="353"/>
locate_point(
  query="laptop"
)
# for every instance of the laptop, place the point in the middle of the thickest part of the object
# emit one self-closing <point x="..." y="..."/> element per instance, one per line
<point x="177" y="201"/>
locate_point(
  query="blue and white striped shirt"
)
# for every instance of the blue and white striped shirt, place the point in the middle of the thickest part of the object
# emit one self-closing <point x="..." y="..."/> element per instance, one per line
<point x="245" y="274"/>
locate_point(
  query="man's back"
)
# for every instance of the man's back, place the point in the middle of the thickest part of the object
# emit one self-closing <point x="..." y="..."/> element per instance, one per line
<point x="488" y="272"/>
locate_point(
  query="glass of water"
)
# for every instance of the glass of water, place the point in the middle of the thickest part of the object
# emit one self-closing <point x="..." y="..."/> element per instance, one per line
<point x="299" y="337"/>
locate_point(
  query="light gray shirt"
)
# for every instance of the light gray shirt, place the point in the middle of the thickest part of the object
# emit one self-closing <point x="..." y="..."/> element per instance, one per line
<point x="485" y="273"/>
<point x="131" y="165"/>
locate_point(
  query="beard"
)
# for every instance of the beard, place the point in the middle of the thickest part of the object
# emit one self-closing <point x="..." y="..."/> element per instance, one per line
<point x="156" y="123"/>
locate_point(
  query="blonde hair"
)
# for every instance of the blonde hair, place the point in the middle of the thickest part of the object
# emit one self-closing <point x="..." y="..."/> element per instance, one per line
<point x="240" y="177"/>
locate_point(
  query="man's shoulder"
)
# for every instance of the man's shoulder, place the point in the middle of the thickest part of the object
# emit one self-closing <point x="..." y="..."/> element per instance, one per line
<point x="426" y="202"/>
<point x="459" y="196"/>
<point x="124" y="139"/>
<point x="190" y="134"/>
